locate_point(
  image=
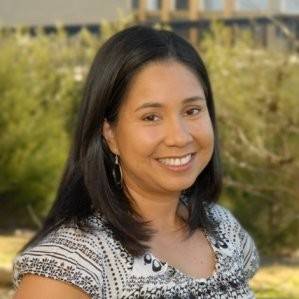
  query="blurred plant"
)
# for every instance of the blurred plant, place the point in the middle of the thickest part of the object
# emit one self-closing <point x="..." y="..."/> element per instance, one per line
<point x="108" y="28"/>
<point x="256" y="92"/>
<point x="40" y="84"/>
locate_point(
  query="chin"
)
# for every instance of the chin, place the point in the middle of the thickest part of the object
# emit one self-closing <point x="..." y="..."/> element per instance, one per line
<point x="178" y="187"/>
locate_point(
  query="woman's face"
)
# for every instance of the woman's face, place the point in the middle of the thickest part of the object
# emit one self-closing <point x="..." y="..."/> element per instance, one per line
<point x="164" y="135"/>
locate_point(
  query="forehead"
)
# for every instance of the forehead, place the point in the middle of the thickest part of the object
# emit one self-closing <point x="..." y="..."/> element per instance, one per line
<point x="168" y="82"/>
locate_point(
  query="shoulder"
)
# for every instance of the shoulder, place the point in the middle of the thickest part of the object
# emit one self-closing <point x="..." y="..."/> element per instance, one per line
<point x="69" y="254"/>
<point x="227" y="227"/>
<point x="223" y="216"/>
<point x="230" y="230"/>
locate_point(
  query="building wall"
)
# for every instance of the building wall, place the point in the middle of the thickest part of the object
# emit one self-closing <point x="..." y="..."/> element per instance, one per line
<point x="278" y="6"/>
<point x="51" y="12"/>
<point x="84" y="12"/>
<point x="290" y="6"/>
<point x="189" y="18"/>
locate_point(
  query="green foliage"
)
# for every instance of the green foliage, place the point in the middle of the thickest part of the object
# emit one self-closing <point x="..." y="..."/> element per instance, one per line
<point x="40" y="86"/>
<point x="256" y="94"/>
<point x="256" y="99"/>
<point x="41" y="80"/>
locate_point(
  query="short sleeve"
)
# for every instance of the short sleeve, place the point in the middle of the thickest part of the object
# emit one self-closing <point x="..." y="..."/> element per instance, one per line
<point x="69" y="255"/>
<point x="251" y="259"/>
<point x="243" y="241"/>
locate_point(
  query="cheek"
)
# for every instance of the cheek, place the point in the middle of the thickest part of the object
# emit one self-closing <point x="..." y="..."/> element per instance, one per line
<point x="139" y="141"/>
<point x="204" y="134"/>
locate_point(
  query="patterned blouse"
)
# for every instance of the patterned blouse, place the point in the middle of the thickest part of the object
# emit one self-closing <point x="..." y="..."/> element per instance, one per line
<point x="99" y="265"/>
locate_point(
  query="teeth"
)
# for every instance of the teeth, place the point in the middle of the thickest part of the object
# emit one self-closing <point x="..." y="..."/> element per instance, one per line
<point x="176" y="161"/>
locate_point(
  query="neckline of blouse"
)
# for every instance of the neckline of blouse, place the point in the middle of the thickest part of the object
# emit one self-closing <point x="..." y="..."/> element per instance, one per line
<point x="217" y="265"/>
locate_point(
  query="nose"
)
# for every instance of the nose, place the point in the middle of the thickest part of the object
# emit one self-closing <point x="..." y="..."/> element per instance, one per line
<point x="177" y="133"/>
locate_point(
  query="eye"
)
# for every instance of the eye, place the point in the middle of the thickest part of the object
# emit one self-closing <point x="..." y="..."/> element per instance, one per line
<point x="151" y="117"/>
<point x="193" y="111"/>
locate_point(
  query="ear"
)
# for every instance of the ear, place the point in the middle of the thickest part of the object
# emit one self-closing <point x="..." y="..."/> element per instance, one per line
<point x="109" y="135"/>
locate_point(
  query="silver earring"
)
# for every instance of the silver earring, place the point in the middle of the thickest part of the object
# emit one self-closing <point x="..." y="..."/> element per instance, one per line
<point x="117" y="173"/>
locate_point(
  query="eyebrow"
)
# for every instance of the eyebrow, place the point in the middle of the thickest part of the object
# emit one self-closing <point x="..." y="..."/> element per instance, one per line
<point x="159" y="105"/>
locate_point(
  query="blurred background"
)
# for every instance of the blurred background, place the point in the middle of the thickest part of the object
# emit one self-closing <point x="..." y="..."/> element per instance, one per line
<point x="251" y="50"/>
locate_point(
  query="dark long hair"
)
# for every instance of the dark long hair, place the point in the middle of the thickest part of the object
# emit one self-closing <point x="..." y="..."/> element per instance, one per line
<point x="87" y="185"/>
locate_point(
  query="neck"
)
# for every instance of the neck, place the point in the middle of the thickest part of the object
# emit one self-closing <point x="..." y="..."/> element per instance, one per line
<point x="164" y="211"/>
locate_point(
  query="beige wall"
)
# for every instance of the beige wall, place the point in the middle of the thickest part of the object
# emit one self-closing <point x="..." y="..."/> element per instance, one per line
<point x="50" y="12"/>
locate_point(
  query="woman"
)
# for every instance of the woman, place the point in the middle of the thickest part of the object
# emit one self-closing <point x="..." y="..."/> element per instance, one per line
<point x="136" y="213"/>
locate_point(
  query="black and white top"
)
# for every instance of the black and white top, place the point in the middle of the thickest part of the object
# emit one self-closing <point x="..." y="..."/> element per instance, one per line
<point x="98" y="264"/>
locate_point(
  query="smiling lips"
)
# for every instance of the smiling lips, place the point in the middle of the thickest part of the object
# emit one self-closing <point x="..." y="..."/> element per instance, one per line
<point x="181" y="163"/>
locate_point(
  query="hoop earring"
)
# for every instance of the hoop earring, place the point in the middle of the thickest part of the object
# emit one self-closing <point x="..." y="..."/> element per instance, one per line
<point x="117" y="173"/>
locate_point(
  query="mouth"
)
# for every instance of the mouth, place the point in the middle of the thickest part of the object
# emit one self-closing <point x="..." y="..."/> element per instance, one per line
<point x="181" y="163"/>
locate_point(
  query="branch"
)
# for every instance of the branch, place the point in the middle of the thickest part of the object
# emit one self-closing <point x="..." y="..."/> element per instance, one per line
<point x="35" y="219"/>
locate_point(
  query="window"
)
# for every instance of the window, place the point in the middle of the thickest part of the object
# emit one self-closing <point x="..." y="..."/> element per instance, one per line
<point x="153" y="4"/>
<point x="135" y="4"/>
<point x="290" y="6"/>
<point x="181" y="4"/>
<point x="252" y="5"/>
<point x="213" y="4"/>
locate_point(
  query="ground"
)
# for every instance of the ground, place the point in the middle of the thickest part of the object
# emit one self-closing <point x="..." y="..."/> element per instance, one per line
<point x="273" y="281"/>
<point x="277" y="281"/>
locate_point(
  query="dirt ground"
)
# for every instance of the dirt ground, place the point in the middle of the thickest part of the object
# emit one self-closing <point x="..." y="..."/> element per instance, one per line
<point x="6" y="293"/>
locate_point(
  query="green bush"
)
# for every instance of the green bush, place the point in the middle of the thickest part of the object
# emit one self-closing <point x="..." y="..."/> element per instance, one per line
<point x="40" y="86"/>
<point x="41" y="80"/>
<point x="256" y="93"/>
